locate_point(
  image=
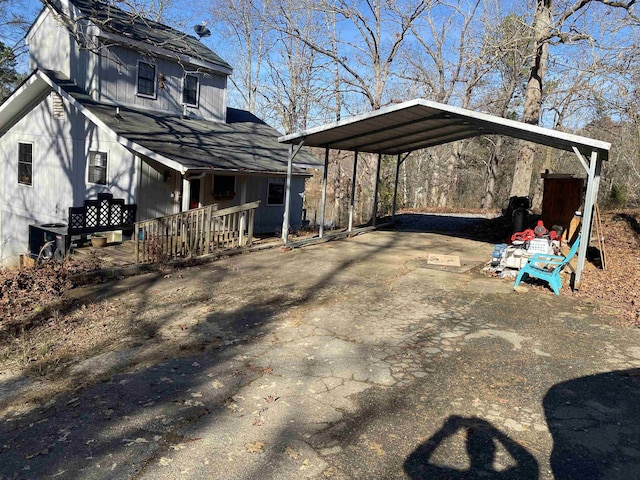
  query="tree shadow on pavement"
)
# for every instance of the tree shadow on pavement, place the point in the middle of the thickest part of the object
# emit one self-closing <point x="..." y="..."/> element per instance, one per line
<point x="594" y="422"/>
<point x="120" y="425"/>
<point x="481" y="442"/>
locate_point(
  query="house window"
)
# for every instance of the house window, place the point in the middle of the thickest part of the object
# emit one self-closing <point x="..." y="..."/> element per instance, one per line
<point x="224" y="187"/>
<point x="275" y="191"/>
<point x="146" y="79"/>
<point x="190" y="90"/>
<point x="98" y="168"/>
<point x="25" y="163"/>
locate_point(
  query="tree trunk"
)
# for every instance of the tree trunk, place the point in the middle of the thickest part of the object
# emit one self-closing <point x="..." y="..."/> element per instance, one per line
<point x="489" y="198"/>
<point x="533" y="96"/>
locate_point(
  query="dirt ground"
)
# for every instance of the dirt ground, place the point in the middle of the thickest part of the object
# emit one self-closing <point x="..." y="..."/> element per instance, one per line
<point x="402" y="328"/>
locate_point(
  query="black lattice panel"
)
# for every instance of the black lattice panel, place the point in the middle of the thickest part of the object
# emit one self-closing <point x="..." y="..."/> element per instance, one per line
<point x="129" y="214"/>
<point x="103" y="213"/>
<point x="115" y="215"/>
<point x="91" y="220"/>
<point x="76" y="218"/>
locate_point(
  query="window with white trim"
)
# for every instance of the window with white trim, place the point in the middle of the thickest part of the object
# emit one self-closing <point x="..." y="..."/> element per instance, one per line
<point x="25" y="163"/>
<point x="275" y="191"/>
<point x="190" y="89"/>
<point x="146" y="79"/>
<point x="98" y="167"/>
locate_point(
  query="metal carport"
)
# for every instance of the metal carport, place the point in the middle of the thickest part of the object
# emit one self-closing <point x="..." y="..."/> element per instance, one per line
<point x="417" y="124"/>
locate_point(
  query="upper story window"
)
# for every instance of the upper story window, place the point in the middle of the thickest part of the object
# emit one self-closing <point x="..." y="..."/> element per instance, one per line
<point x="98" y="167"/>
<point x="190" y="86"/>
<point x="25" y="163"/>
<point x="146" y="79"/>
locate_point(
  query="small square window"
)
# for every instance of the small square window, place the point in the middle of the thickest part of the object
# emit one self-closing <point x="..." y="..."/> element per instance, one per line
<point x="98" y="168"/>
<point x="224" y="187"/>
<point x="190" y="90"/>
<point x="25" y="163"/>
<point x="146" y="79"/>
<point x="275" y="191"/>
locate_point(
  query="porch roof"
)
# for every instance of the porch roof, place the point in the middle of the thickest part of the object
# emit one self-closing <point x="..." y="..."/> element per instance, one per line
<point x="243" y="144"/>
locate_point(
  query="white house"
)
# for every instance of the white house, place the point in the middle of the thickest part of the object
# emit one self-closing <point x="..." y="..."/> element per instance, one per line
<point x="120" y="104"/>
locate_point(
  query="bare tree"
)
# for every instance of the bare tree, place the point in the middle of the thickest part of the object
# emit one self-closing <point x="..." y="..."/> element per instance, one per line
<point x="550" y="27"/>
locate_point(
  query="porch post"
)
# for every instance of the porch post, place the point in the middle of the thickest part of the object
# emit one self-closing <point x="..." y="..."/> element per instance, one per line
<point x="186" y="193"/>
<point x="353" y="190"/>
<point x="593" y="182"/>
<point x="375" y="192"/>
<point x="395" y="189"/>
<point x="324" y="191"/>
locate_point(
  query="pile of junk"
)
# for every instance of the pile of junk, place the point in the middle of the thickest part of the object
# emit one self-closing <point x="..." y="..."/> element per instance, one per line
<point x="508" y="258"/>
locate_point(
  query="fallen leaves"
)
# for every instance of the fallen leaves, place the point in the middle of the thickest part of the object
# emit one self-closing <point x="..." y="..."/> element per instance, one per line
<point x="254" y="447"/>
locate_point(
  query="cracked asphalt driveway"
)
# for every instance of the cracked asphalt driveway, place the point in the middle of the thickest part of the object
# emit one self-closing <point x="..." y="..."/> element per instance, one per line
<point x="349" y="359"/>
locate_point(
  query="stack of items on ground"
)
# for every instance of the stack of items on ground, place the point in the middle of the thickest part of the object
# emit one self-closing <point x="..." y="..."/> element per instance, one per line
<point x="507" y="259"/>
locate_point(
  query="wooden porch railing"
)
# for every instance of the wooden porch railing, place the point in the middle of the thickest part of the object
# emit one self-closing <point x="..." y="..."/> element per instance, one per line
<point x="195" y="233"/>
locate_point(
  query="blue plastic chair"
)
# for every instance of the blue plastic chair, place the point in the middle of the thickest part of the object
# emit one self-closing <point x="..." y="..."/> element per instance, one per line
<point x="547" y="267"/>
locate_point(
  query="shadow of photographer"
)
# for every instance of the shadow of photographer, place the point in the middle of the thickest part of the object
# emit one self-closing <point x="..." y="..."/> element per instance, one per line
<point x="481" y="442"/>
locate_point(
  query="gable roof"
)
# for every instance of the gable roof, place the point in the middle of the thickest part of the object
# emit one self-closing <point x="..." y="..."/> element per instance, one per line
<point x="421" y="123"/>
<point x="244" y="144"/>
<point x="130" y="28"/>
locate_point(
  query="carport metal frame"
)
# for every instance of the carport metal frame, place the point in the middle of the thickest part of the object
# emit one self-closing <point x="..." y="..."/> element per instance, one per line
<point x="418" y="124"/>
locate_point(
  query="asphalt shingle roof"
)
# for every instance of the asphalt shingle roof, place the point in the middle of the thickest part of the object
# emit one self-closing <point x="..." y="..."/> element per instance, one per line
<point x="243" y="144"/>
<point x="154" y="34"/>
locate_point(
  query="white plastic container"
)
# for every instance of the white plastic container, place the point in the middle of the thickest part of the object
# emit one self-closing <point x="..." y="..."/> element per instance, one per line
<point x="539" y="245"/>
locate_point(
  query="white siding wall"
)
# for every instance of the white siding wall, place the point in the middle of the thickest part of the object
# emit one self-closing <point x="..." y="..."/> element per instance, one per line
<point x="50" y="46"/>
<point x="60" y="151"/>
<point x="118" y="84"/>
<point x="111" y="76"/>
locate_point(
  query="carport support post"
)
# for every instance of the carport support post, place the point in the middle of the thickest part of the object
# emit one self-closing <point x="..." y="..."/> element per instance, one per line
<point x="375" y="192"/>
<point x="593" y="182"/>
<point x="324" y="190"/>
<point x="287" y="198"/>
<point x="395" y="189"/>
<point x="353" y="190"/>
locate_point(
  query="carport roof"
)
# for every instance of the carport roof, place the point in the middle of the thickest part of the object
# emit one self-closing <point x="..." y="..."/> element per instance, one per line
<point x="421" y="123"/>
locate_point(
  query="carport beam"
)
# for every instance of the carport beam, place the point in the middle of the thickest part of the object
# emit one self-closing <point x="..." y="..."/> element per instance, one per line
<point x="353" y="190"/>
<point x="395" y="189"/>
<point x="324" y="191"/>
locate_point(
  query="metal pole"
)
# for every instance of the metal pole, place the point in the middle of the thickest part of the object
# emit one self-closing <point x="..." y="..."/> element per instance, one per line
<point x="353" y="190"/>
<point x="395" y="189"/>
<point x="287" y="198"/>
<point x="375" y="192"/>
<point x="324" y="191"/>
<point x="593" y="181"/>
